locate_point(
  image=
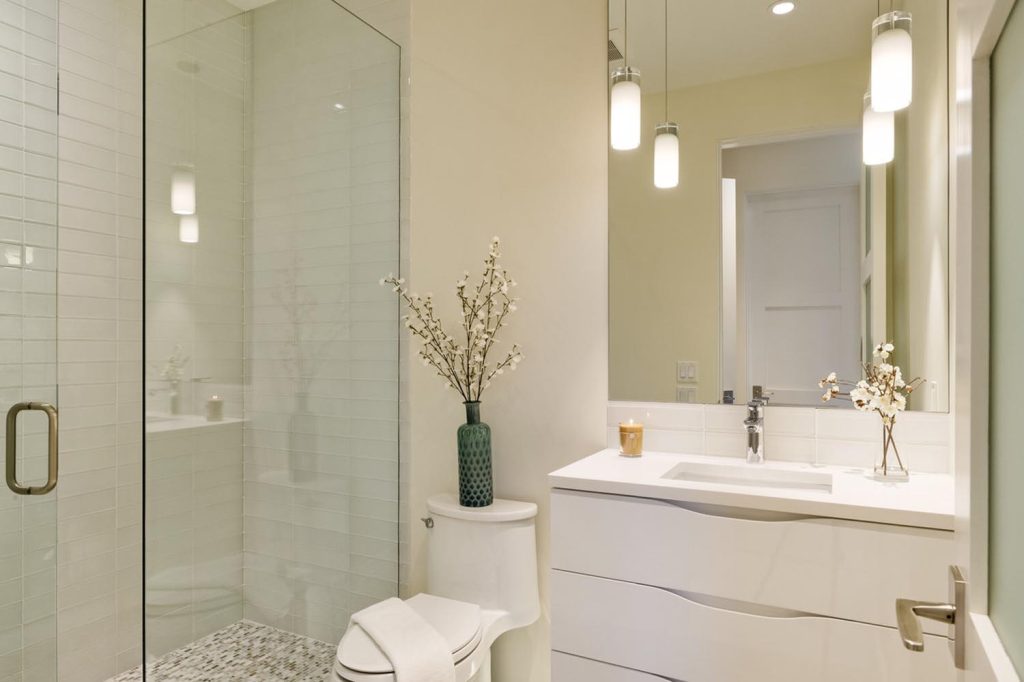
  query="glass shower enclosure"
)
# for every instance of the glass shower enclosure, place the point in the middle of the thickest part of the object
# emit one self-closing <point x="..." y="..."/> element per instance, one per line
<point x="271" y="352"/>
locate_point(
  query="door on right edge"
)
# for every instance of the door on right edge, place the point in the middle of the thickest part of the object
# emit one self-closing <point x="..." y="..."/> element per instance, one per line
<point x="1006" y="353"/>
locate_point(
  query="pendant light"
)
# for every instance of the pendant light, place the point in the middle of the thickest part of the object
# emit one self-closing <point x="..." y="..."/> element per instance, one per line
<point x="666" y="138"/>
<point x="878" y="135"/>
<point x="892" y="61"/>
<point x="625" y="96"/>
<point x="188" y="229"/>
<point x="183" y="190"/>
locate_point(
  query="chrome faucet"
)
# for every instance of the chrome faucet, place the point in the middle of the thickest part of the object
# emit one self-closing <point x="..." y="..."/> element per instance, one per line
<point x="755" y="426"/>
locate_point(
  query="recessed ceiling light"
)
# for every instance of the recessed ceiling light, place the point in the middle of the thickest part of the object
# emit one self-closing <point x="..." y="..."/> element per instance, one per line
<point x="782" y="7"/>
<point x="339" y="106"/>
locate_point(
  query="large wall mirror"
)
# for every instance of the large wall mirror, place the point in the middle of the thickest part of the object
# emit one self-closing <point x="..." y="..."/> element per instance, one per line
<point x="780" y="255"/>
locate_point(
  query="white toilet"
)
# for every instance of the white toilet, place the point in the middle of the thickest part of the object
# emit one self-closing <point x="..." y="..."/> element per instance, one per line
<point x="481" y="582"/>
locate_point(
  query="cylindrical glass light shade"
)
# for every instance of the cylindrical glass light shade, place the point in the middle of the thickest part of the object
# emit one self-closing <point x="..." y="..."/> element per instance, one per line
<point x="183" y="191"/>
<point x="666" y="156"/>
<point x="625" y="109"/>
<point x="188" y="229"/>
<point x="892" y="62"/>
<point x="878" y="135"/>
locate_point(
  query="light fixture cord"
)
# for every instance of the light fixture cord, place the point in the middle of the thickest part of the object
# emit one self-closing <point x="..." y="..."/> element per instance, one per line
<point x="666" y="61"/>
<point x="625" y="35"/>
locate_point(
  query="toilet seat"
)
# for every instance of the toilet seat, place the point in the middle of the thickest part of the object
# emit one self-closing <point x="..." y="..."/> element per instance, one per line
<point x="459" y="624"/>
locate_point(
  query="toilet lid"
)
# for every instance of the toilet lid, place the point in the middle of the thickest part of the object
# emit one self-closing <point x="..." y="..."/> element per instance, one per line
<point x="457" y="622"/>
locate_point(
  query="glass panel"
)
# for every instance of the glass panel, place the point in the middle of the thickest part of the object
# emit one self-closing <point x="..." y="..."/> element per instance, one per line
<point x="1006" y="542"/>
<point x="28" y="349"/>
<point x="272" y="160"/>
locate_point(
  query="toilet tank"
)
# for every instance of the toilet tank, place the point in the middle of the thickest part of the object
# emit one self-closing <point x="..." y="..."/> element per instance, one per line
<point x="485" y="556"/>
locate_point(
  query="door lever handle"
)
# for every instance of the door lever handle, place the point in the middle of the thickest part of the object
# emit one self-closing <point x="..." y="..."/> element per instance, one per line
<point x="907" y="613"/>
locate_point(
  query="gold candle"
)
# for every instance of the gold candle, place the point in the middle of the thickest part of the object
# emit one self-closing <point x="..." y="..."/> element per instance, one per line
<point x="631" y="439"/>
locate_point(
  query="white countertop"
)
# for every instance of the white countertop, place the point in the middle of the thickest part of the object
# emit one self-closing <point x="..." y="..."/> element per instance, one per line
<point x="925" y="501"/>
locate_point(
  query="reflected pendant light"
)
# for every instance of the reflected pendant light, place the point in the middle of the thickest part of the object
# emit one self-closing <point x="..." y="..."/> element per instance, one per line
<point x="188" y="229"/>
<point x="878" y="135"/>
<point x="666" y="138"/>
<point x="625" y="98"/>
<point x="183" y="190"/>
<point x="892" y="62"/>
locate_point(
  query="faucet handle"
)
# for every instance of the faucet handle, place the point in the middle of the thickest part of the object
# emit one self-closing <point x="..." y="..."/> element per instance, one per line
<point x="759" y="396"/>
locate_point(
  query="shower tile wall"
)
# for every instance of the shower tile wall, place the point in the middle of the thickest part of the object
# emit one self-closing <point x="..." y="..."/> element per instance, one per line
<point x="195" y="102"/>
<point x="99" y="311"/>
<point x="321" y="449"/>
<point x="28" y="266"/>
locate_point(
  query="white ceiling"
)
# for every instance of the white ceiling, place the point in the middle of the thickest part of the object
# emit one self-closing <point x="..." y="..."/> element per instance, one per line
<point x="716" y="40"/>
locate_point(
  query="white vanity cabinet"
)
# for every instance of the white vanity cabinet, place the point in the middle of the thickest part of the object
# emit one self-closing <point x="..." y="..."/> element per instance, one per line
<point x="647" y="590"/>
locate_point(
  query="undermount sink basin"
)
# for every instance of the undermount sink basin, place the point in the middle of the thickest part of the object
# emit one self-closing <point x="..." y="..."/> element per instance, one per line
<point x="753" y="475"/>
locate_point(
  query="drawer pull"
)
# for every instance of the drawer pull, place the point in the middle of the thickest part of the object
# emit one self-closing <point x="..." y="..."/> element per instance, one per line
<point x="739" y="513"/>
<point x="744" y="607"/>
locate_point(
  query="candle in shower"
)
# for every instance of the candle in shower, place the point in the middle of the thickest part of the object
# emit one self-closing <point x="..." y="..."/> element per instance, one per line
<point x="215" y="409"/>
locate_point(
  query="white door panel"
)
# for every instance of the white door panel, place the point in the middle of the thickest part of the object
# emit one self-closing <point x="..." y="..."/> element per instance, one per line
<point x="803" y="298"/>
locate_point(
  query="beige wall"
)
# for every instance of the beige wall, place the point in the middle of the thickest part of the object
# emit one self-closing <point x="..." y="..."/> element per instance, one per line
<point x="665" y="244"/>
<point x="508" y="137"/>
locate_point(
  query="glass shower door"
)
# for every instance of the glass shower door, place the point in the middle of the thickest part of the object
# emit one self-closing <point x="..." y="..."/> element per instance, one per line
<point x="271" y="445"/>
<point x="28" y="332"/>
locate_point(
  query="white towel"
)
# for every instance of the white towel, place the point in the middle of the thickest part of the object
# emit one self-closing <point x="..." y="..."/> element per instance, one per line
<point x="415" y="648"/>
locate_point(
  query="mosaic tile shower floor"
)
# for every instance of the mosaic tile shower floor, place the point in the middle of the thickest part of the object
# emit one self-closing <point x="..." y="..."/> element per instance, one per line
<point x="243" y="651"/>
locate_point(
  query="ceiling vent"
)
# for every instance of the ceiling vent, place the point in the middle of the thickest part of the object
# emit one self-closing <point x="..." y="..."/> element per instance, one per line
<point x="613" y="52"/>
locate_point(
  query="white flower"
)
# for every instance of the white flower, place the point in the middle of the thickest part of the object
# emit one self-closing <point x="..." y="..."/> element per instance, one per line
<point x="464" y="368"/>
<point x="861" y="398"/>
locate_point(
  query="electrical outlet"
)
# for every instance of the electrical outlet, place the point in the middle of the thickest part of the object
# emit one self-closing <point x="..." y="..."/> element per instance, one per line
<point x="687" y="372"/>
<point x="686" y="394"/>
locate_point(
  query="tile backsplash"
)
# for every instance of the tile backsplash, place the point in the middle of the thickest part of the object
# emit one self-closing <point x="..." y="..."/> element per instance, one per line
<point x="796" y="434"/>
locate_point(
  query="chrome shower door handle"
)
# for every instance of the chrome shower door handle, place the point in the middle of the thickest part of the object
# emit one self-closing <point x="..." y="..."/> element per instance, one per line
<point x="909" y="611"/>
<point x="12" y="449"/>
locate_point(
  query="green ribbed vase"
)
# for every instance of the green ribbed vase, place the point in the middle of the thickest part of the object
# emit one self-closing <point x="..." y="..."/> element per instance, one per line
<point x="476" y="483"/>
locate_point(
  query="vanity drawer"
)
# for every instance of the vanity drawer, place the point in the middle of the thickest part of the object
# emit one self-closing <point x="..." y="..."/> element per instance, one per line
<point x="668" y="634"/>
<point x="830" y="567"/>
<point x="566" y="668"/>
